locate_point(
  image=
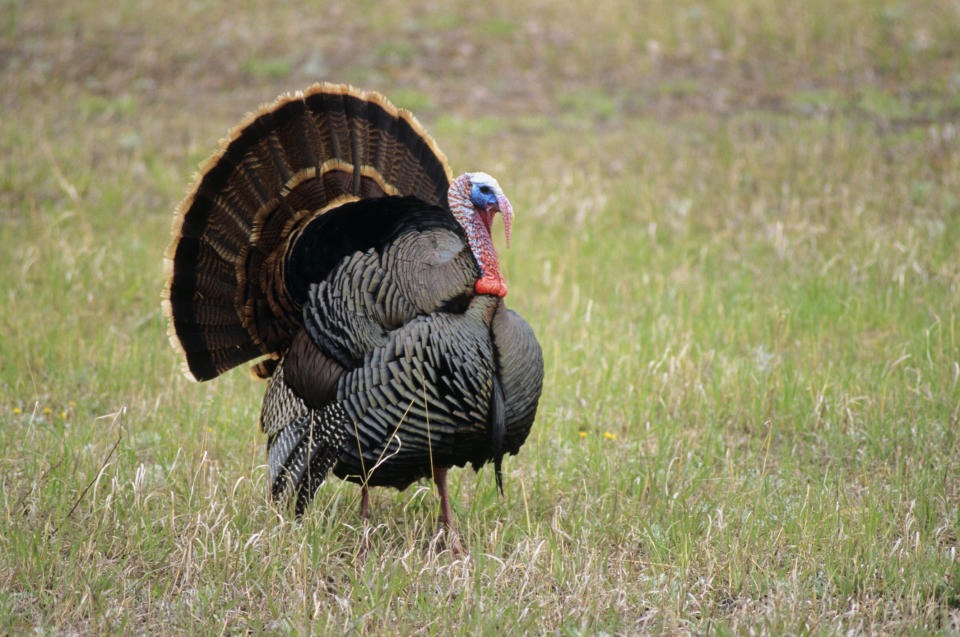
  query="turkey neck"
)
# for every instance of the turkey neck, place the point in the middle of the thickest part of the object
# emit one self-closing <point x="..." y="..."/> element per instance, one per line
<point x="478" y="235"/>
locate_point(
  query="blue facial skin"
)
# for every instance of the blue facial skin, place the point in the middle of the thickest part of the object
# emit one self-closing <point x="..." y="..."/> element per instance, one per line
<point x="482" y="196"/>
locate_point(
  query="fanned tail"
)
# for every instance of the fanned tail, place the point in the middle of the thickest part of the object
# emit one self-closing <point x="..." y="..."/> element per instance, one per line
<point x="283" y="166"/>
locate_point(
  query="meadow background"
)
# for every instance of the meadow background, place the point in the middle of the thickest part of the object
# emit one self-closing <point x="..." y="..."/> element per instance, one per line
<point x="737" y="238"/>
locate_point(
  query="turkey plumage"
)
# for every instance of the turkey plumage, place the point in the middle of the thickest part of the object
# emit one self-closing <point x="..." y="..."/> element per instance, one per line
<point x="328" y="236"/>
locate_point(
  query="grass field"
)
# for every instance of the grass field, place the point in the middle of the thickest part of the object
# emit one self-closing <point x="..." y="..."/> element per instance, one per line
<point x="737" y="238"/>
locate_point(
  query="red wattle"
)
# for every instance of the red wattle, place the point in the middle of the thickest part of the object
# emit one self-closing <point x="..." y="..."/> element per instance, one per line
<point x="491" y="284"/>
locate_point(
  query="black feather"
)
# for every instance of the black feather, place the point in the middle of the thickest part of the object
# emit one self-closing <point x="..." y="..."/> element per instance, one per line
<point x="498" y="430"/>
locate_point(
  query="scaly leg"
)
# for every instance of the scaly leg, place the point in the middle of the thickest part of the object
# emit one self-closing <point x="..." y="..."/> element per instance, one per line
<point x="440" y="477"/>
<point x="446" y="518"/>
<point x="365" y="517"/>
<point x="365" y="503"/>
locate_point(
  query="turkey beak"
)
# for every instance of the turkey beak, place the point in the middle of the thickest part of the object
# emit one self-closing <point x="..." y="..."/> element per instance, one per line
<point x="507" y="211"/>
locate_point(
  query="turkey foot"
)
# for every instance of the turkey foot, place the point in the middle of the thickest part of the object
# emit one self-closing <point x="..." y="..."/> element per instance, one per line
<point x="448" y="537"/>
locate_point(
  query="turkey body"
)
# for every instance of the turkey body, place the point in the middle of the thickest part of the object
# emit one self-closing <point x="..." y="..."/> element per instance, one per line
<point x="328" y="235"/>
<point x="403" y="363"/>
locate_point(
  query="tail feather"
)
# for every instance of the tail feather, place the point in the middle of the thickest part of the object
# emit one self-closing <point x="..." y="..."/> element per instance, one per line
<point x="282" y="167"/>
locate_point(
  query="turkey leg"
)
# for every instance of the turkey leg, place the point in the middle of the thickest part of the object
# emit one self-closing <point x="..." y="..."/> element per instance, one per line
<point x="365" y="503"/>
<point x="446" y="518"/>
<point x="440" y="477"/>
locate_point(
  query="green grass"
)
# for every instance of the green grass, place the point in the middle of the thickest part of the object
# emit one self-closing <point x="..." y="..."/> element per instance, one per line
<point x="737" y="237"/>
<point x="270" y="68"/>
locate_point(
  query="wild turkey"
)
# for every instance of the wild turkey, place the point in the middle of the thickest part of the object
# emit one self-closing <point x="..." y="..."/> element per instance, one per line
<point x="328" y="235"/>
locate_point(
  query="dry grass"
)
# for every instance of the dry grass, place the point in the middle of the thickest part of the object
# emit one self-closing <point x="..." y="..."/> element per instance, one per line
<point x="737" y="239"/>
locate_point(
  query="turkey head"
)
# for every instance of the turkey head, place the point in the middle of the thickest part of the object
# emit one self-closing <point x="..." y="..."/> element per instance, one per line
<point x="475" y="198"/>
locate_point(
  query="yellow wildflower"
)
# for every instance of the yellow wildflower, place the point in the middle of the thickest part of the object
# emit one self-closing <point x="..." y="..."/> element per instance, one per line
<point x="209" y="429"/>
<point x="583" y="434"/>
<point x="609" y="436"/>
<point x="72" y="404"/>
<point x="63" y="414"/>
<point x="16" y="410"/>
<point x="47" y="410"/>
